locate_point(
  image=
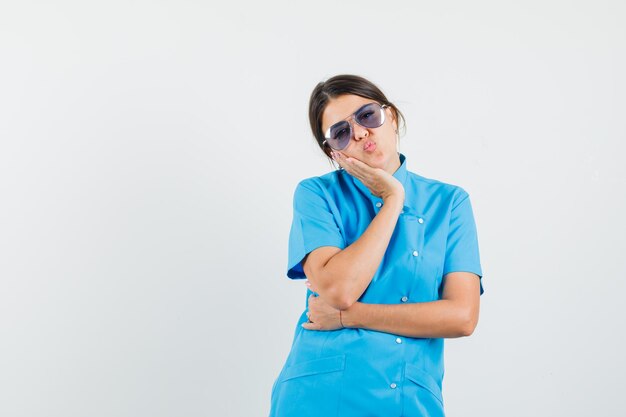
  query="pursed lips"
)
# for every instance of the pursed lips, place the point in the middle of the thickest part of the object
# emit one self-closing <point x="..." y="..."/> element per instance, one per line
<point x="367" y="145"/>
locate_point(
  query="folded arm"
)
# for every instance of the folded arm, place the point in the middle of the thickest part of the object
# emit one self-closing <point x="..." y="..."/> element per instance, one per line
<point x="454" y="315"/>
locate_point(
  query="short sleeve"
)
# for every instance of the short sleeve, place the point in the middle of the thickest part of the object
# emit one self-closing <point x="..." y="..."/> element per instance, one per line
<point x="315" y="224"/>
<point x="462" y="253"/>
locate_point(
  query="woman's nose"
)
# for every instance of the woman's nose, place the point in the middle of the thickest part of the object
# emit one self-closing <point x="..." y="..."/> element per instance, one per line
<point x="359" y="131"/>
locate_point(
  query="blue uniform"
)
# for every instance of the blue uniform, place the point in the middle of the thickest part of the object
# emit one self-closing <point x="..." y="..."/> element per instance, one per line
<point x="361" y="372"/>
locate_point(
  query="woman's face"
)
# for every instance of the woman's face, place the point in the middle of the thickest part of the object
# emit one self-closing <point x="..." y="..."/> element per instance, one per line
<point x="374" y="146"/>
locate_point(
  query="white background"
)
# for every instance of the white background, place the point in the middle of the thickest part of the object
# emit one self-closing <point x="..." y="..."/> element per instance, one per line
<point x="148" y="157"/>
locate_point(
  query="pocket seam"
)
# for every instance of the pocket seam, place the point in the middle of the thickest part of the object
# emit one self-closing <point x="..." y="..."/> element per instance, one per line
<point x="314" y="367"/>
<point x="424" y="380"/>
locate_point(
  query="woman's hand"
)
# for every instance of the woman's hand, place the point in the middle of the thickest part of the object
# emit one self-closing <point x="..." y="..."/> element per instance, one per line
<point x="380" y="183"/>
<point x="322" y="315"/>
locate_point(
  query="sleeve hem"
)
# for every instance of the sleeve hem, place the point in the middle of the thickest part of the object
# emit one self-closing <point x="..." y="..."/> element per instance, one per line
<point x="295" y="270"/>
<point x="476" y="271"/>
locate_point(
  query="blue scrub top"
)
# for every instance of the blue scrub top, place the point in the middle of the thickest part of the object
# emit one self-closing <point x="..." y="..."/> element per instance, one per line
<point x="360" y="372"/>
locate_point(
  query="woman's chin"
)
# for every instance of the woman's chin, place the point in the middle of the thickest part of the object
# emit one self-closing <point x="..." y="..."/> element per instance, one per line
<point x="376" y="159"/>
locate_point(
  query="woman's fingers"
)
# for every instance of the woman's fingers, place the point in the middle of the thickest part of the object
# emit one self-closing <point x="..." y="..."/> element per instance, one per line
<point x="378" y="181"/>
<point x="341" y="160"/>
<point x="360" y="167"/>
<point x="338" y="156"/>
<point x="354" y="167"/>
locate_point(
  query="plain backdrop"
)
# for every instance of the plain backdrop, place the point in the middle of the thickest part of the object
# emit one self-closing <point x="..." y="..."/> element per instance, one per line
<point x="149" y="151"/>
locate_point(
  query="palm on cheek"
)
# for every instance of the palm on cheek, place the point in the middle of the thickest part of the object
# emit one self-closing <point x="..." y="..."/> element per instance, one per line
<point x="377" y="180"/>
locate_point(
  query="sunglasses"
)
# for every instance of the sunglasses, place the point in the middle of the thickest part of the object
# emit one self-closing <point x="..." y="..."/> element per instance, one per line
<point x="370" y="115"/>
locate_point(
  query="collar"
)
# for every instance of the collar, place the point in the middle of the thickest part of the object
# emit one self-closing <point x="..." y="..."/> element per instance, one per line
<point x="400" y="175"/>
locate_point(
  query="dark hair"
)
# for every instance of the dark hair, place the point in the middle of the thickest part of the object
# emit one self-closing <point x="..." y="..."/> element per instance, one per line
<point x="336" y="86"/>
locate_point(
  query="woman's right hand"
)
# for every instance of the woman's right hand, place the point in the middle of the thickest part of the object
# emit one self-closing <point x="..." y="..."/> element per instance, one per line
<point x="380" y="183"/>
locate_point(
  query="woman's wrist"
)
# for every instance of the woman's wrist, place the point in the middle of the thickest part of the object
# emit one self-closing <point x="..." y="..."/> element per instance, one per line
<point x="350" y="316"/>
<point x="396" y="201"/>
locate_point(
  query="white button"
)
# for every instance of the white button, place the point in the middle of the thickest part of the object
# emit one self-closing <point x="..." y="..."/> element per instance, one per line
<point x="402" y="211"/>
<point x="393" y="385"/>
<point x="398" y="340"/>
<point x="420" y="220"/>
<point x="379" y="204"/>
<point x="404" y="299"/>
<point x="415" y="253"/>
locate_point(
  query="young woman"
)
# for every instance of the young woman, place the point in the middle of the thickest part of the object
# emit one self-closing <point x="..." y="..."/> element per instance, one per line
<point x="392" y="266"/>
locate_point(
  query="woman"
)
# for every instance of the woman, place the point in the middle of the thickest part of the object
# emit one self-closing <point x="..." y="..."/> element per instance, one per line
<point x="392" y="266"/>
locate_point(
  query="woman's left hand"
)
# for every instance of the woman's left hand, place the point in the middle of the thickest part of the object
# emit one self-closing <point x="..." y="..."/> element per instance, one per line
<point x="323" y="316"/>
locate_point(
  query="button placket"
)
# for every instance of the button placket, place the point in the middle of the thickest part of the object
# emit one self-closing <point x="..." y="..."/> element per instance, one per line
<point x="415" y="222"/>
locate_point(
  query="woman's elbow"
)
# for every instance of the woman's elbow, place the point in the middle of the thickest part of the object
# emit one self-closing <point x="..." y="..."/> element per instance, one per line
<point x="339" y="298"/>
<point x="468" y="323"/>
<point x="336" y="292"/>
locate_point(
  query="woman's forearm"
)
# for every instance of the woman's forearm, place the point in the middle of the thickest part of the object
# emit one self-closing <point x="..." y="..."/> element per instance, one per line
<point x="351" y="270"/>
<point x="441" y="318"/>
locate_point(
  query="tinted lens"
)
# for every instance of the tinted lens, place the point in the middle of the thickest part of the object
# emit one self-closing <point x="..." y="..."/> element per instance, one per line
<point x="340" y="134"/>
<point x="370" y="116"/>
